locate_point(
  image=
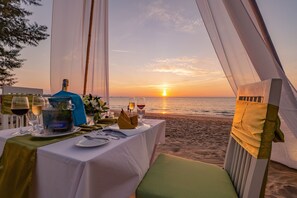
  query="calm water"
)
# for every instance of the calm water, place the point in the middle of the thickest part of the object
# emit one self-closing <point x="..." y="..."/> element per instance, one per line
<point x="189" y="106"/>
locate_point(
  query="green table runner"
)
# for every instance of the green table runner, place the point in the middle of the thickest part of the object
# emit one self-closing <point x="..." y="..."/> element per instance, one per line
<point x="18" y="160"/>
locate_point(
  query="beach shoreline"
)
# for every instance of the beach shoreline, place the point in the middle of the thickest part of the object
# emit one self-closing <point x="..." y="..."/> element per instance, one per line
<point x="205" y="138"/>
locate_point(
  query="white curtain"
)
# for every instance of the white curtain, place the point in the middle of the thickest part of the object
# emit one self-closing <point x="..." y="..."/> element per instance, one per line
<point x="69" y="44"/>
<point x="246" y="54"/>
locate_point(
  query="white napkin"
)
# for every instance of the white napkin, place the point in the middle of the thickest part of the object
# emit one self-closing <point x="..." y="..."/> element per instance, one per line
<point x="128" y="132"/>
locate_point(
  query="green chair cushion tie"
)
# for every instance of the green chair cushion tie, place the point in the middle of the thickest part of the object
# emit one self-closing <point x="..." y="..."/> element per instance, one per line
<point x="254" y="127"/>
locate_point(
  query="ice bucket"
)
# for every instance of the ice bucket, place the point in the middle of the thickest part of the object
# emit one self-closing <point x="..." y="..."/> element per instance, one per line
<point x="57" y="116"/>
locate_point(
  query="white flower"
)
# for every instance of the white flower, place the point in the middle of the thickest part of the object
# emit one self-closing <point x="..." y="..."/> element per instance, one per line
<point x="94" y="103"/>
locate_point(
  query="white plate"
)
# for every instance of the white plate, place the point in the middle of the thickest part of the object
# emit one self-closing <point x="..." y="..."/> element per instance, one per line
<point x="92" y="142"/>
<point x="54" y="134"/>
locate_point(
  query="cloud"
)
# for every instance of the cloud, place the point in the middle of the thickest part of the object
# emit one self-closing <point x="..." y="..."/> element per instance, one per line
<point x="186" y="66"/>
<point x="172" y="17"/>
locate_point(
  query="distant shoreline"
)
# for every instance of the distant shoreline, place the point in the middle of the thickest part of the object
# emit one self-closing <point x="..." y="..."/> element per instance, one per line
<point x="180" y="115"/>
<point x="173" y="96"/>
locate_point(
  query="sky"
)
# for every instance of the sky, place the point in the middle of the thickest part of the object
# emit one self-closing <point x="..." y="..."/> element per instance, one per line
<point x="161" y="46"/>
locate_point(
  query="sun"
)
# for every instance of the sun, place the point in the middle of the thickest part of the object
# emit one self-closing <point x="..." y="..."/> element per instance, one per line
<point x="164" y="93"/>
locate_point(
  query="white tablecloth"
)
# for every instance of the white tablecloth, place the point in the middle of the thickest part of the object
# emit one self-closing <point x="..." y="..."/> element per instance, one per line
<point x="114" y="170"/>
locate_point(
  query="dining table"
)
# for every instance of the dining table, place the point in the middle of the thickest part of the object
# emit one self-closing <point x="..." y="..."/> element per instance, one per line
<point x="113" y="170"/>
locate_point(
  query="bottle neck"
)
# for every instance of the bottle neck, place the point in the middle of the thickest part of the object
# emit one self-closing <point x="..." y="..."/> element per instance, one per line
<point x="65" y="85"/>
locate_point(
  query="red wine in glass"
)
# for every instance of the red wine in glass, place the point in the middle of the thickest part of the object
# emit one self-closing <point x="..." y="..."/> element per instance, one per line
<point x="19" y="112"/>
<point x="140" y="106"/>
<point x="19" y="107"/>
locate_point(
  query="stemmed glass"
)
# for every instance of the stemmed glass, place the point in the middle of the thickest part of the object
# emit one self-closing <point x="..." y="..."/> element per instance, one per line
<point x="131" y="104"/>
<point x="32" y="120"/>
<point x="38" y="103"/>
<point x="140" y="108"/>
<point x="19" y="107"/>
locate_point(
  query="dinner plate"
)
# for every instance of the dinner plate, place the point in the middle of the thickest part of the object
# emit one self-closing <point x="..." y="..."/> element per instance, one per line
<point x="92" y="142"/>
<point x="41" y="133"/>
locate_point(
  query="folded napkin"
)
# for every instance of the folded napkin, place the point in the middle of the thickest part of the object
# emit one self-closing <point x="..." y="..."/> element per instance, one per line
<point x="115" y="129"/>
<point x="126" y="122"/>
<point x="79" y="115"/>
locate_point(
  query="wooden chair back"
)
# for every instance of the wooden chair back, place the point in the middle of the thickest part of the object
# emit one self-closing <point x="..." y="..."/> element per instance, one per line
<point x="248" y="173"/>
<point x="10" y="121"/>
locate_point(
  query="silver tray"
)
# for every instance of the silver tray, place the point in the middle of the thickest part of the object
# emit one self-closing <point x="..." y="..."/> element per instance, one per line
<point x="42" y="134"/>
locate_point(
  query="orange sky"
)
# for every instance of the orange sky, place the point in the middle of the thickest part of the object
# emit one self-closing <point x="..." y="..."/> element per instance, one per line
<point x="216" y="88"/>
<point x="153" y="45"/>
<point x="148" y="51"/>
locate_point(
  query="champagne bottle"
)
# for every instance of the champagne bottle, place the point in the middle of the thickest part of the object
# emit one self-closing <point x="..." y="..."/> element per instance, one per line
<point x="65" y="84"/>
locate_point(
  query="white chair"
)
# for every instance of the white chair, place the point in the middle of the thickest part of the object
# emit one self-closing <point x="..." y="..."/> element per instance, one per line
<point x="9" y="120"/>
<point x="244" y="174"/>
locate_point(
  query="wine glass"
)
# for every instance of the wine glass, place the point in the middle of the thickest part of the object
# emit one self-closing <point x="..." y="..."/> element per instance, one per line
<point x="131" y="104"/>
<point x="32" y="120"/>
<point x="38" y="103"/>
<point x="140" y="108"/>
<point x="19" y="107"/>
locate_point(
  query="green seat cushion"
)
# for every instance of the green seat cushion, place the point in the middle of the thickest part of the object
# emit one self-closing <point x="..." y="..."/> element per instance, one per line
<point x="174" y="177"/>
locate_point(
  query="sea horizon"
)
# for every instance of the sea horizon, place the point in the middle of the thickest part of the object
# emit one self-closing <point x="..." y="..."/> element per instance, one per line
<point x="203" y="106"/>
<point x="172" y="96"/>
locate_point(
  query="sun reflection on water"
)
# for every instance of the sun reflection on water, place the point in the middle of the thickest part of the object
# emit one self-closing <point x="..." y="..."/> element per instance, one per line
<point x="164" y="105"/>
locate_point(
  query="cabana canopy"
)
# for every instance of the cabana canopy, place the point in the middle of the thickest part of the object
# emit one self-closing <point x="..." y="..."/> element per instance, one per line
<point x="236" y="29"/>
<point x="79" y="46"/>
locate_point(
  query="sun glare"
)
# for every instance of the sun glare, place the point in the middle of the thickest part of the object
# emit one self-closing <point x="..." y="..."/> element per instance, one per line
<point x="164" y="93"/>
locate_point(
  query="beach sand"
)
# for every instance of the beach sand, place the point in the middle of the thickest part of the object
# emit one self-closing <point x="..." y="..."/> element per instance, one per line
<point x="206" y="139"/>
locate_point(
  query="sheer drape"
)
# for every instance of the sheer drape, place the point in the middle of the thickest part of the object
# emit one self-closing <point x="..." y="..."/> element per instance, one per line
<point x="246" y="54"/>
<point x="70" y="31"/>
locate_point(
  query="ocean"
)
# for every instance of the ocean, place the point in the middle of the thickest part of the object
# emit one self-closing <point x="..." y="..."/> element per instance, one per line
<point x="207" y="106"/>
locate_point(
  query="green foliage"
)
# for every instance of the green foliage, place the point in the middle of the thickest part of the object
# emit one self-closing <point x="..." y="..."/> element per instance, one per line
<point x="94" y="105"/>
<point x="16" y="32"/>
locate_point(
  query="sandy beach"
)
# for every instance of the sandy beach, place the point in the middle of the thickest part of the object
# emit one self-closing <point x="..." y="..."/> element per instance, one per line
<point x="206" y="139"/>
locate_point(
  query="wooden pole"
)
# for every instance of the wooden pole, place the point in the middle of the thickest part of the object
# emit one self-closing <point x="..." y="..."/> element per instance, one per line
<point x="88" y="47"/>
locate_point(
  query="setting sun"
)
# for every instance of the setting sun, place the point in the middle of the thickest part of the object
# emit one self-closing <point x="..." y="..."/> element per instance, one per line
<point x="164" y="93"/>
